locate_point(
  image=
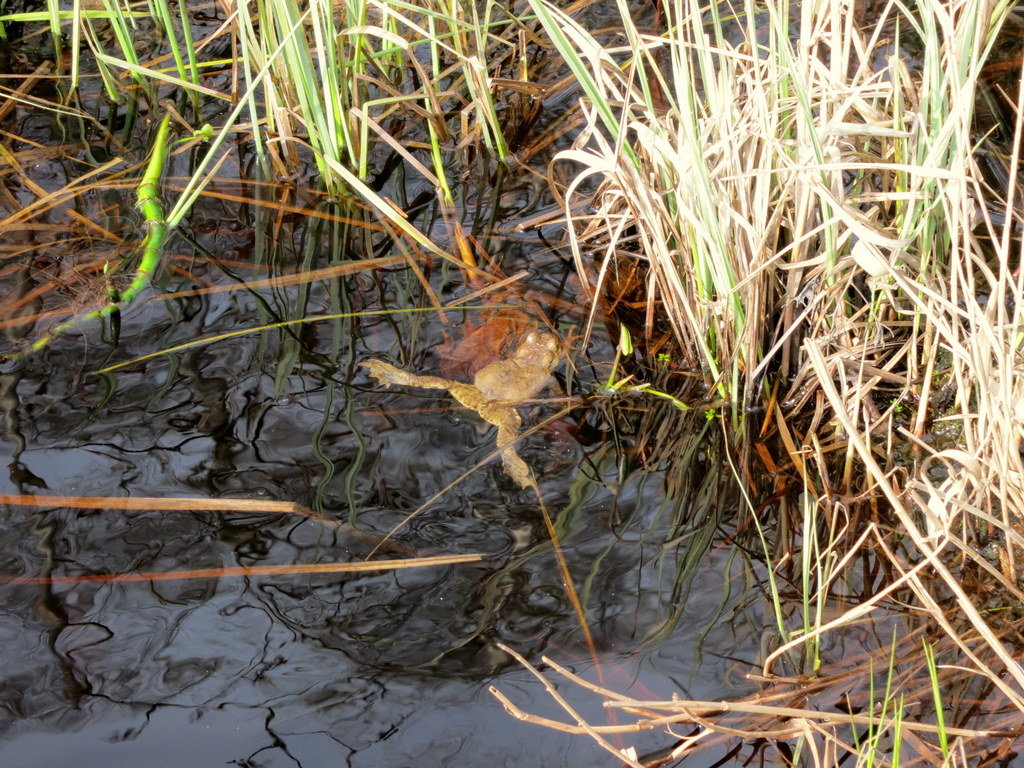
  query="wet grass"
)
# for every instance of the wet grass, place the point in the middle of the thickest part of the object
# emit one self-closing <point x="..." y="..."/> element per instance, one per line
<point x="812" y="242"/>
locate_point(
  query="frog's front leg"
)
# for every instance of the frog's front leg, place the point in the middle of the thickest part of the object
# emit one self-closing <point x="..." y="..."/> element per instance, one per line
<point x="386" y="375"/>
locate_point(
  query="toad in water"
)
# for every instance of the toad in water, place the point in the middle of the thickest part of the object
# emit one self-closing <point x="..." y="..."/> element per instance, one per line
<point x="495" y="392"/>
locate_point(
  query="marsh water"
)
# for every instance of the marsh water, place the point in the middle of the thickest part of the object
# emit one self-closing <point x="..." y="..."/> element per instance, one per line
<point x="364" y="669"/>
<point x="378" y="668"/>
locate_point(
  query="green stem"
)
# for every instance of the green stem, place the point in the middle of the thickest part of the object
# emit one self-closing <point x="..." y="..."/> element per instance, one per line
<point x="152" y="245"/>
<point x="153" y="210"/>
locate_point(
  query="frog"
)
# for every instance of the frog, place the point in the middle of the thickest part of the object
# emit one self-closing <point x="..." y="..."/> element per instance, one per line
<point x="496" y="391"/>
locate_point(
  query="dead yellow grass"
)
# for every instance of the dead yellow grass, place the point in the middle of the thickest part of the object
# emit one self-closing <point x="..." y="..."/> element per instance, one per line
<point x="814" y="222"/>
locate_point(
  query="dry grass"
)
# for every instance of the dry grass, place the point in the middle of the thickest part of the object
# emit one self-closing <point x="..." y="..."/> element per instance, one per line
<point x="813" y="224"/>
<point x="223" y="506"/>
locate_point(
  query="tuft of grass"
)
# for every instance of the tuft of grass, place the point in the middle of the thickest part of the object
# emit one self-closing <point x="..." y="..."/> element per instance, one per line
<point x="340" y="86"/>
<point x="831" y="241"/>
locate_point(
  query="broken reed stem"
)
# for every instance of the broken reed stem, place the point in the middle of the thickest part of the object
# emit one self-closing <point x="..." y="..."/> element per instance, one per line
<point x="697" y="712"/>
<point x="582" y="727"/>
<point x="287" y="569"/>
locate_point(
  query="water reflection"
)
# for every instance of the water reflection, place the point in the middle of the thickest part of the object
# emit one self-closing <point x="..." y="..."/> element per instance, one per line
<point x="368" y="668"/>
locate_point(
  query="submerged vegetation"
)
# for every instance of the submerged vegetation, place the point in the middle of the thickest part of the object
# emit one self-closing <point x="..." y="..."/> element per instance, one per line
<point x="805" y="217"/>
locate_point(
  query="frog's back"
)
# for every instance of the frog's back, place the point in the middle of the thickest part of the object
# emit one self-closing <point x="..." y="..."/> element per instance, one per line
<point x="511" y="381"/>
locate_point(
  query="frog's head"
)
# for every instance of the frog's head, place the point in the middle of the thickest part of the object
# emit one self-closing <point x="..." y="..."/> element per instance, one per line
<point x="540" y="349"/>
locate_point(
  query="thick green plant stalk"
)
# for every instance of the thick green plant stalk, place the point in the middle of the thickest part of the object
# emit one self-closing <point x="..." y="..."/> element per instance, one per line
<point x="152" y="245"/>
<point x="153" y="210"/>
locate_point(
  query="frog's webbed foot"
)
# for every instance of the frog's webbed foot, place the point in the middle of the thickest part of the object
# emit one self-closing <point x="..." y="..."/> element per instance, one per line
<point x="386" y="375"/>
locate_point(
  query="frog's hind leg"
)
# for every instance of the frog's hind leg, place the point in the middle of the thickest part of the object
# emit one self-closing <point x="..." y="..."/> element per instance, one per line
<point x="386" y="375"/>
<point x="470" y="396"/>
<point x="508" y="431"/>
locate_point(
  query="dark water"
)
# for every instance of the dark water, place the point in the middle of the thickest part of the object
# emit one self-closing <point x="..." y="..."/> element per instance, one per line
<point x="371" y="669"/>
